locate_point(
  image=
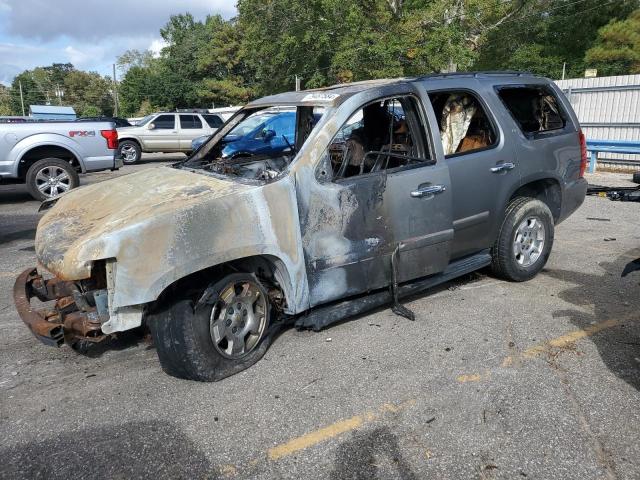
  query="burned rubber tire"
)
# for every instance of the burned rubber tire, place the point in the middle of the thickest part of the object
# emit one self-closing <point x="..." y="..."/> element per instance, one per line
<point x="50" y="177"/>
<point x="200" y="343"/>
<point x="524" y="241"/>
<point x="130" y="152"/>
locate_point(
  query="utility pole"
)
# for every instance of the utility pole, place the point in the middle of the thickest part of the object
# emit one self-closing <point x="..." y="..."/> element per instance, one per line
<point x="564" y="67"/>
<point x="298" y="83"/>
<point x="21" y="98"/>
<point x="115" y="91"/>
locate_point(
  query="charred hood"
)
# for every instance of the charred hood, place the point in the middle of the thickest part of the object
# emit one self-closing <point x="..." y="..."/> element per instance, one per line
<point x="96" y="221"/>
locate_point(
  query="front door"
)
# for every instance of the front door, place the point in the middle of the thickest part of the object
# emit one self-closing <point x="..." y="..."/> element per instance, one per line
<point x="379" y="191"/>
<point x="164" y="134"/>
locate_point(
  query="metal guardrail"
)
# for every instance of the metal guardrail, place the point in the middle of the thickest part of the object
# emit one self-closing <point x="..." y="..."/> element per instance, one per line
<point x="610" y="146"/>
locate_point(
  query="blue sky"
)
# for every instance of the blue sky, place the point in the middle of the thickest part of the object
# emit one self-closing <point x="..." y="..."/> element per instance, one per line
<point x="88" y="33"/>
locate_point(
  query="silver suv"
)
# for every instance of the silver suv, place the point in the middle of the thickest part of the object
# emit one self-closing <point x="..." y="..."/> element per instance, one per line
<point x="165" y="132"/>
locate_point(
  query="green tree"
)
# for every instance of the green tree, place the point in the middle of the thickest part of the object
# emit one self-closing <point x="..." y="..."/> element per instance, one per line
<point x="88" y="92"/>
<point x="222" y="64"/>
<point x="5" y="101"/>
<point x="617" y="48"/>
<point x="544" y="34"/>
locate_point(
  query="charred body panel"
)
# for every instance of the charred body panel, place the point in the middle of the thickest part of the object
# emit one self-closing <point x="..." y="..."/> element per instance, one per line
<point x="116" y="247"/>
<point x="180" y="224"/>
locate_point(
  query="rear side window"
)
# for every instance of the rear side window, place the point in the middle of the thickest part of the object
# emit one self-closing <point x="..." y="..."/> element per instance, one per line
<point x="165" y="122"/>
<point x="190" y="122"/>
<point x="465" y="125"/>
<point x="214" y="121"/>
<point x="535" y="108"/>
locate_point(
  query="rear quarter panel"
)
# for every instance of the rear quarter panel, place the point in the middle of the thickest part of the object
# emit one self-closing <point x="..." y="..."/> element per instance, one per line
<point x="554" y="155"/>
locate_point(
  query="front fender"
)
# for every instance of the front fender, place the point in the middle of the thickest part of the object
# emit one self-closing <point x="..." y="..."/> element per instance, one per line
<point x="257" y="222"/>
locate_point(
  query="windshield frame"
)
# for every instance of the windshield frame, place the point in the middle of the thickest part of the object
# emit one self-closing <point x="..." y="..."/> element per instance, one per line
<point x="195" y="161"/>
<point x="146" y="119"/>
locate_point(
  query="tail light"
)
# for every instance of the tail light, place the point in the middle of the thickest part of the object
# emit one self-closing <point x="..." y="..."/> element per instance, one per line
<point x="112" y="138"/>
<point x="584" y="160"/>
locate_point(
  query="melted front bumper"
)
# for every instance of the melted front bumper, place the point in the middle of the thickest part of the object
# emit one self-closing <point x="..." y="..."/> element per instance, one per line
<point x="72" y="318"/>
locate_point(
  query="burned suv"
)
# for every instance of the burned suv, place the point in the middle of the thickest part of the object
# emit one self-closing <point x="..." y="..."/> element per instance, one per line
<point x="388" y="188"/>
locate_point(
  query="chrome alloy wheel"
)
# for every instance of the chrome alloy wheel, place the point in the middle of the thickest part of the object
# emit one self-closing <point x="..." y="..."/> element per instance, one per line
<point x="528" y="242"/>
<point x="238" y="319"/>
<point x="52" y="181"/>
<point x="129" y="154"/>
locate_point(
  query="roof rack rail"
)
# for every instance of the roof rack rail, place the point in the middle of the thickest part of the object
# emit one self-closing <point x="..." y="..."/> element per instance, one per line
<point x="477" y="73"/>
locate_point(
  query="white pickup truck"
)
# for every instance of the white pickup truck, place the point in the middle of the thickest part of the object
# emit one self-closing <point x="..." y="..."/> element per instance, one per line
<point x="48" y="156"/>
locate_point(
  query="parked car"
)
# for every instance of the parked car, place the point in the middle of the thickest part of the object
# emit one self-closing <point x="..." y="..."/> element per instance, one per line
<point x="225" y="112"/>
<point x="264" y="133"/>
<point x="216" y="253"/>
<point x="119" y="122"/>
<point x="165" y="132"/>
<point x="48" y="156"/>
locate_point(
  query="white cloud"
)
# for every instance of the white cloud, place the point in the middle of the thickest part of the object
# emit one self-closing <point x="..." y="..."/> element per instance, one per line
<point x="156" y="46"/>
<point x="75" y="56"/>
<point x="85" y="20"/>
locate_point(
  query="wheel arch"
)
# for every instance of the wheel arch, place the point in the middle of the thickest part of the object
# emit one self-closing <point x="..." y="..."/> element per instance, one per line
<point x="48" y="150"/>
<point x="131" y="139"/>
<point x="268" y="268"/>
<point x="546" y="189"/>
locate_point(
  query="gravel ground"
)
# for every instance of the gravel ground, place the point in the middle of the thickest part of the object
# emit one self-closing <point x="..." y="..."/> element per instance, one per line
<point x="493" y="380"/>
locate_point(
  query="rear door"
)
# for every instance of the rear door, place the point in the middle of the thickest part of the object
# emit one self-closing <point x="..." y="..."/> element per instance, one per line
<point x="482" y="164"/>
<point x="191" y="126"/>
<point x="163" y="137"/>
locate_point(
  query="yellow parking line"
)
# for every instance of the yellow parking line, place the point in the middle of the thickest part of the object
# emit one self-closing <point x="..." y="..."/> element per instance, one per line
<point x="565" y="340"/>
<point x="569" y="339"/>
<point x="331" y="431"/>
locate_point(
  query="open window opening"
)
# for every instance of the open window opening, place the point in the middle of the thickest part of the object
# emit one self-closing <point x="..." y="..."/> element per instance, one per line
<point x="464" y="124"/>
<point x="383" y="135"/>
<point x="259" y="144"/>
<point x="535" y="108"/>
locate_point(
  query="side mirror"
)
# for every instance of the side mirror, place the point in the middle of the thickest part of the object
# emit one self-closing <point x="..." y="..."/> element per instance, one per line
<point x="267" y="135"/>
<point x="151" y="126"/>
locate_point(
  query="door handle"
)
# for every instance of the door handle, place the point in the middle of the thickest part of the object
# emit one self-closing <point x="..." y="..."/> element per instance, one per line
<point x="426" y="191"/>
<point x="503" y="167"/>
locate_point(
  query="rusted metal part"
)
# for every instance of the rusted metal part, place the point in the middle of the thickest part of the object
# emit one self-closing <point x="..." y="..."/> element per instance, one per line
<point x="83" y="324"/>
<point x="47" y="332"/>
<point x="65" y="322"/>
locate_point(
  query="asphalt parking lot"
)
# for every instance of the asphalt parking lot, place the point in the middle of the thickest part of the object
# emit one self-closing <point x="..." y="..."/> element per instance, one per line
<point x="535" y="380"/>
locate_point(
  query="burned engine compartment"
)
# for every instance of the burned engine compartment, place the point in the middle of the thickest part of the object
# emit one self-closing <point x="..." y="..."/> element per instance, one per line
<point x="262" y="168"/>
<point x="256" y="144"/>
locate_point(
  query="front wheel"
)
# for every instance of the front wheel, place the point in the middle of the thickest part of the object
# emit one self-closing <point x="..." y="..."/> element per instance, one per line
<point x="525" y="239"/>
<point x="226" y="332"/>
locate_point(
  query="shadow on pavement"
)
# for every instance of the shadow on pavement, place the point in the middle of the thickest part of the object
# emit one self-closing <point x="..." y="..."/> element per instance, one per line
<point x="369" y="455"/>
<point x="612" y="298"/>
<point x="146" y="449"/>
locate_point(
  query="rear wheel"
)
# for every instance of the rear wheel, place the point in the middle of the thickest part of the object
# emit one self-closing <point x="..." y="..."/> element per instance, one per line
<point x="225" y="333"/>
<point x="130" y="152"/>
<point x="525" y="239"/>
<point x="636" y="177"/>
<point x="50" y="177"/>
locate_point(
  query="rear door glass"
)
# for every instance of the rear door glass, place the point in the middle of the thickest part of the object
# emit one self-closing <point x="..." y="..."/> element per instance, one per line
<point x="535" y="109"/>
<point x="190" y="122"/>
<point x="465" y="125"/>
